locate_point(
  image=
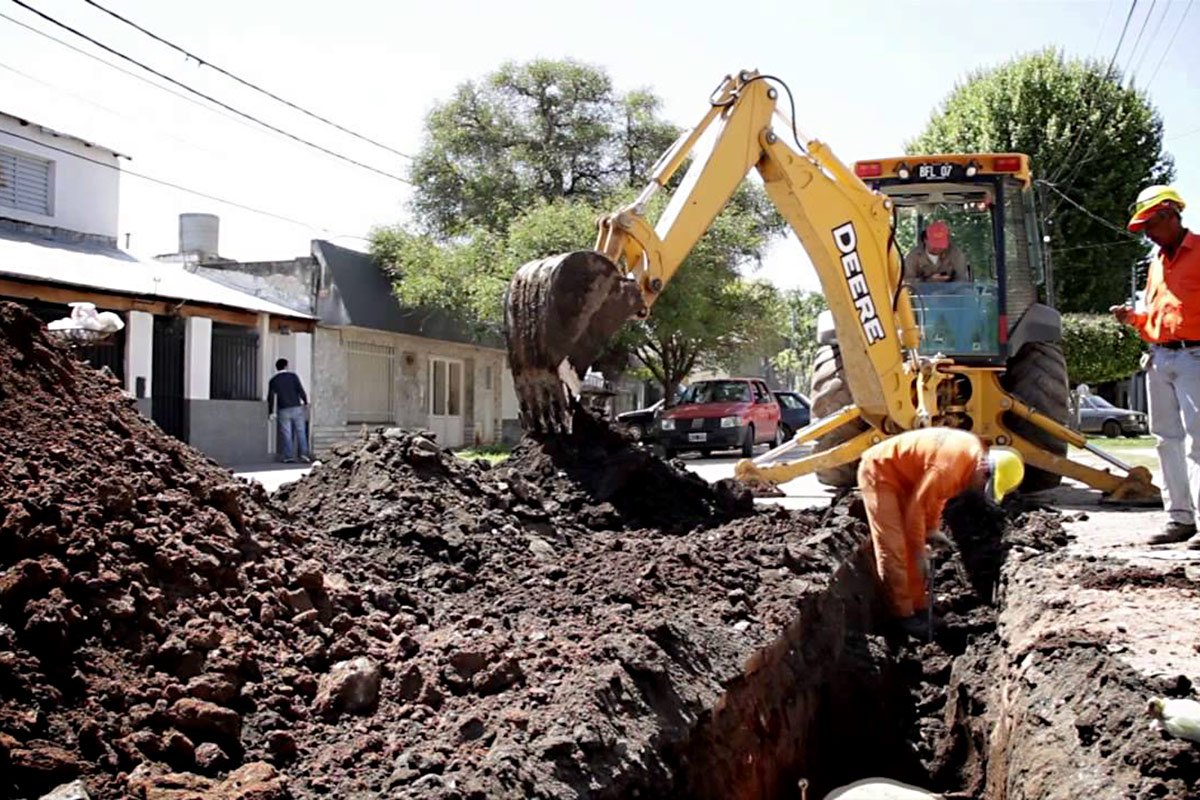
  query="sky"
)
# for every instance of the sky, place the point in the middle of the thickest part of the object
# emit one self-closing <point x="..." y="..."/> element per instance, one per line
<point x="866" y="77"/>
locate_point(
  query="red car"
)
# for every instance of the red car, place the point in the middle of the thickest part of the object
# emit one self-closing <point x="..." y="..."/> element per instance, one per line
<point x="721" y="415"/>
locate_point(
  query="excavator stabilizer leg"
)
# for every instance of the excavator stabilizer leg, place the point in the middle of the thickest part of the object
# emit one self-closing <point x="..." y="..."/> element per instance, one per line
<point x="559" y="314"/>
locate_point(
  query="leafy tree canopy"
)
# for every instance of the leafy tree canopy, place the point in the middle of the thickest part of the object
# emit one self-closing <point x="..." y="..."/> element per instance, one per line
<point x="1093" y="143"/>
<point x="542" y="130"/>
<point x="520" y="165"/>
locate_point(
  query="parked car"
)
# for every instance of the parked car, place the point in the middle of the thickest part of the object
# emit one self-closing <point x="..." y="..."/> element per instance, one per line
<point x="641" y="424"/>
<point x="795" y="412"/>
<point x="1097" y="415"/>
<point x="721" y="415"/>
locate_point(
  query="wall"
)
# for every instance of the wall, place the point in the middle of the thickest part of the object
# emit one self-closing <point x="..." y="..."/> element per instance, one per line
<point x="291" y="284"/>
<point x="85" y="196"/>
<point x="411" y="377"/>
<point x="229" y="431"/>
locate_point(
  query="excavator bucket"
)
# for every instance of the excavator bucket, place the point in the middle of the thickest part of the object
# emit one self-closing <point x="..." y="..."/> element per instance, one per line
<point x="559" y="313"/>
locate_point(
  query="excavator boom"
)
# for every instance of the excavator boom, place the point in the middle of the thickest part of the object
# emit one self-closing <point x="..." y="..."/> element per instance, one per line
<point x="561" y="311"/>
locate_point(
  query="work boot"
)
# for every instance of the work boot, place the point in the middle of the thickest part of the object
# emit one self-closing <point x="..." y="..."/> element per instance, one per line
<point x="1174" y="532"/>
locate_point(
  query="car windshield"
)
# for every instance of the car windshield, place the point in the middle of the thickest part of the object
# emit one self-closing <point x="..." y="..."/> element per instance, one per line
<point x="717" y="392"/>
<point x="788" y="400"/>
<point x="1100" y="402"/>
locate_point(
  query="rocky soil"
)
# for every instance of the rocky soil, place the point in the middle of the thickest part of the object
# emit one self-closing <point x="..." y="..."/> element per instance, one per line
<point x="584" y="621"/>
<point x="401" y="623"/>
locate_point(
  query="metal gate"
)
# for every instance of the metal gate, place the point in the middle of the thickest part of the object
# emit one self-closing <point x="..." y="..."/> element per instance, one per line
<point x="166" y="391"/>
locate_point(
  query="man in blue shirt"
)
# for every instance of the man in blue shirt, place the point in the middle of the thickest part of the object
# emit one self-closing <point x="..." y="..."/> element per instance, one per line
<point x="286" y="403"/>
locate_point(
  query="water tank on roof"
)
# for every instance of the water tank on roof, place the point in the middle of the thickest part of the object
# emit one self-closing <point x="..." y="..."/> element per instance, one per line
<point x="199" y="234"/>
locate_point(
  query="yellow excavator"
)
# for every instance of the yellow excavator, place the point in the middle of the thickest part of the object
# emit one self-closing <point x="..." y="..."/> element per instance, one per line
<point x="968" y="348"/>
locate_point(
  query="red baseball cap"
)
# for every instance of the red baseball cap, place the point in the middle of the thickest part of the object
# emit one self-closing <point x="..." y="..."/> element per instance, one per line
<point x="937" y="235"/>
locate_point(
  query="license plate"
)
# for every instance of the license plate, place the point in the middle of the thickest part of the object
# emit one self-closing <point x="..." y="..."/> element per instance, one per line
<point x="697" y="437"/>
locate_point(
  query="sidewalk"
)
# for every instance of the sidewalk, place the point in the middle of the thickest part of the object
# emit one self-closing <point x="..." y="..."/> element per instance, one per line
<point x="272" y="475"/>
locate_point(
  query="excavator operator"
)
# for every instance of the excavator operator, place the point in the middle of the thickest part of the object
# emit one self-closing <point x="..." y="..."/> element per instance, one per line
<point x="935" y="258"/>
<point x="905" y="482"/>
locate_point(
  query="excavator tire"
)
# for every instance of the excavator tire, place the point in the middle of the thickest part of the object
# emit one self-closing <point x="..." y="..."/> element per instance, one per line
<point x="1038" y="376"/>
<point x="829" y="394"/>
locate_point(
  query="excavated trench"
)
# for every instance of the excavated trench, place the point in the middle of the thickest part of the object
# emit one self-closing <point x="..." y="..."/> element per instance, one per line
<point x="585" y="621"/>
<point x="976" y="712"/>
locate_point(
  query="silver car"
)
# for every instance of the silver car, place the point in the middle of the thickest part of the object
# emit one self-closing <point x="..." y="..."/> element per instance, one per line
<point x="1097" y="415"/>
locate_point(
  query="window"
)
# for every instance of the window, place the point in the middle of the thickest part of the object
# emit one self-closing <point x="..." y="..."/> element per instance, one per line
<point x="234" y="363"/>
<point x="717" y="392"/>
<point x="487" y="379"/>
<point x="25" y="182"/>
<point x="369" y="370"/>
<point x="789" y="401"/>
<point x="445" y="387"/>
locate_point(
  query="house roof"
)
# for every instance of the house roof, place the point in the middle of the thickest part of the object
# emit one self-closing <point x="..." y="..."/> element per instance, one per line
<point x="60" y="135"/>
<point x="89" y="265"/>
<point x="356" y="291"/>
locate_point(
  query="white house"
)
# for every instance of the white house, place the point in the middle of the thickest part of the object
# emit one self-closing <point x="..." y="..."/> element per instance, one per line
<point x="196" y="354"/>
<point x="377" y="362"/>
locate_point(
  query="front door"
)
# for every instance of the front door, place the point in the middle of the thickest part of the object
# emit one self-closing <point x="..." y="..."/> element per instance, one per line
<point x="483" y="407"/>
<point x="446" y="401"/>
<point x="166" y="381"/>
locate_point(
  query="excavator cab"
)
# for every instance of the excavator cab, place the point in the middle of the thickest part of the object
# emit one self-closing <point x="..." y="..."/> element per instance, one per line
<point x="969" y="296"/>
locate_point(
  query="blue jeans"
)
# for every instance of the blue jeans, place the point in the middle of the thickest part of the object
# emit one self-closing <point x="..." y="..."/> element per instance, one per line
<point x="291" y="423"/>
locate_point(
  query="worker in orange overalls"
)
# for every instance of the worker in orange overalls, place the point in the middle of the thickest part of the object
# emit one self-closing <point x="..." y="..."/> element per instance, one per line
<point x="905" y="482"/>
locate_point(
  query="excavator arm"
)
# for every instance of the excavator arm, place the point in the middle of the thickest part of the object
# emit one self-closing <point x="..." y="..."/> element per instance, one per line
<point x="560" y="312"/>
<point x="844" y="226"/>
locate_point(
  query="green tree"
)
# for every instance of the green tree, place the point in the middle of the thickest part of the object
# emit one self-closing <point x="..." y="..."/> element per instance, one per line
<point x="542" y="130"/>
<point x="1093" y="145"/>
<point x="1099" y="349"/>
<point x="797" y="320"/>
<point x="521" y="164"/>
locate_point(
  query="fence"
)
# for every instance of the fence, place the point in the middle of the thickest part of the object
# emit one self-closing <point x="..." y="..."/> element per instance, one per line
<point x="234" y="373"/>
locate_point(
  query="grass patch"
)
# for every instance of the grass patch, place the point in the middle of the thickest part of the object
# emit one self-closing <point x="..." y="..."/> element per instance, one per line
<point x="1123" y="449"/>
<point x="493" y="454"/>
<point x="1104" y="443"/>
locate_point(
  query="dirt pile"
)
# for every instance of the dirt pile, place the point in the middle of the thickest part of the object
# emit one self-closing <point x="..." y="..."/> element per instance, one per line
<point x="410" y="625"/>
<point x="153" y="610"/>
<point x="568" y="619"/>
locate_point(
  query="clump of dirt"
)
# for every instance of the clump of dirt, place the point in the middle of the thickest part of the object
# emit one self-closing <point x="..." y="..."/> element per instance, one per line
<point x="408" y="625"/>
<point x="145" y="595"/>
<point x="569" y="617"/>
<point x="1132" y="577"/>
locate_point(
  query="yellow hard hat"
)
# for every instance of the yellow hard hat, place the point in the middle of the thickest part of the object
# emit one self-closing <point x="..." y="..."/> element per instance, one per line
<point x="1148" y="201"/>
<point x="1006" y="471"/>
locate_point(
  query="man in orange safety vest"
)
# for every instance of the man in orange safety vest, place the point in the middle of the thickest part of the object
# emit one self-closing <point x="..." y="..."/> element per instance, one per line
<point x="905" y="482"/>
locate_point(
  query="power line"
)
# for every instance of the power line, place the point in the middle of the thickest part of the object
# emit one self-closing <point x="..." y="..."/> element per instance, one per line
<point x="119" y="114"/>
<point x="1091" y="148"/>
<point x="1104" y="245"/>
<point x="179" y="187"/>
<point x="205" y="63"/>
<point x="1183" y="135"/>
<point x="130" y="73"/>
<point x="1107" y="72"/>
<point x="1138" y="40"/>
<point x="1094" y="216"/>
<point x="1150" y="42"/>
<point x="1167" y="49"/>
<point x="1100" y="30"/>
<point x="210" y="98"/>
